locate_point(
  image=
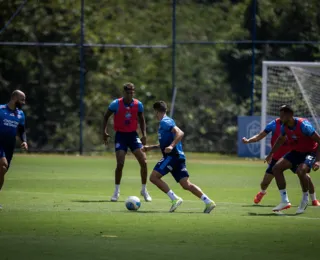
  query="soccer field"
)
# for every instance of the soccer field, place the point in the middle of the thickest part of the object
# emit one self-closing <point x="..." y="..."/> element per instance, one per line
<point x="57" y="207"/>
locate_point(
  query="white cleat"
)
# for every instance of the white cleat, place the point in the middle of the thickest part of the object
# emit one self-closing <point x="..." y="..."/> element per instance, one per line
<point x="282" y="206"/>
<point x="175" y="204"/>
<point x="146" y="196"/>
<point x="302" y="207"/>
<point x="115" y="196"/>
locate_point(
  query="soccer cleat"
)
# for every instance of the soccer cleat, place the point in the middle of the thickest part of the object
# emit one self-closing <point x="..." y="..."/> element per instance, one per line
<point x="315" y="203"/>
<point x="0" y="207"/>
<point x="282" y="206"/>
<point x="209" y="207"/>
<point x="175" y="204"/>
<point x="115" y="196"/>
<point x="302" y="207"/>
<point x="146" y="196"/>
<point x="258" y="197"/>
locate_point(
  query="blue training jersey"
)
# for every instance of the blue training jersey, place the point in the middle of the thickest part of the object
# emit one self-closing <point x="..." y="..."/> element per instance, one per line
<point x="166" y="137"/>
<point x="271" y="127"/>
<point x="9" y="122"/>
<point x="114" y="106"/>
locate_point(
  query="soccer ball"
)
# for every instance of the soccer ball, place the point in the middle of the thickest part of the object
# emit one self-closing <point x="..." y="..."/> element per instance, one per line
<point x="133" y="203"/>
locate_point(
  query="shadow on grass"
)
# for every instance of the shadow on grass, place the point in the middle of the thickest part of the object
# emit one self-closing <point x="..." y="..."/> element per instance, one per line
<point x="258" y="206"/>
<point x="272" y="214"/>
<point x="96" y="201"/>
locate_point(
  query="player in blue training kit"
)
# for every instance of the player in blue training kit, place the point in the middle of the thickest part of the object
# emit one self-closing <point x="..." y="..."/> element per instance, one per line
<point x="12" y="120"/>
<point x="173" y="160"/>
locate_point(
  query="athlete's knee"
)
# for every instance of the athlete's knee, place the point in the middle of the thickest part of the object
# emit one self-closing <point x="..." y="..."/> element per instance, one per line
<point x="120" y="165"/>
<point x="3" y="168"/>
<point x="154" y="177"/>
<point x="185" y="184"/>
<point x="143" y="163"/>
<point x="303" y="171"/>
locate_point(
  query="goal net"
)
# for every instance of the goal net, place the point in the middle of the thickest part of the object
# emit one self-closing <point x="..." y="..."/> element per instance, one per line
<point x="289" y="83"/>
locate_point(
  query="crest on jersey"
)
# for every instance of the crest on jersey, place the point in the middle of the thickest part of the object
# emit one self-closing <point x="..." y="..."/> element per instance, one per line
<point x="128" y="115"/>
<point x="252" y="129"/>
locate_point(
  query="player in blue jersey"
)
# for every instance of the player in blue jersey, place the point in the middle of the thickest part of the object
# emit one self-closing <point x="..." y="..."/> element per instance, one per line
<point x="173" y="160"/>
<point x="12" y="120"/>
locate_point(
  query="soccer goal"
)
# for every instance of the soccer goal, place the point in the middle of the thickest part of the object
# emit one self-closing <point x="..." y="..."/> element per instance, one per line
<point x="289" y="83"/>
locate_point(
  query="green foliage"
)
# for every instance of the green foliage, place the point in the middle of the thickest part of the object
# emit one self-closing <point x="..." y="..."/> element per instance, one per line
<point x="214" y="81"/>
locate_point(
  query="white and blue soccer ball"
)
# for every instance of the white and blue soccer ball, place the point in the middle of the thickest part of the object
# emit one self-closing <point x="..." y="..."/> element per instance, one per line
<point x="132" y="203"/>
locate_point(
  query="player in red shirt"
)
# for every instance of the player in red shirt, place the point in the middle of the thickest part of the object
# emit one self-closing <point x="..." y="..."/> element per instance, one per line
<point x="127" y="113"/>
<point x="304" y="155"/>
<point x="275" y="128"/>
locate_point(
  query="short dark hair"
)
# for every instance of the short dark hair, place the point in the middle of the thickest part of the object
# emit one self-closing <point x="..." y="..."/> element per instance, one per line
<point x="160" y="106"/>
<point x="286" y="109"/>
<point x="128" y="86"/>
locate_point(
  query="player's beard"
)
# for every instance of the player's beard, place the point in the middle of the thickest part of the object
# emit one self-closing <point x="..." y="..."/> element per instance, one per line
<point x="18" y="105"/>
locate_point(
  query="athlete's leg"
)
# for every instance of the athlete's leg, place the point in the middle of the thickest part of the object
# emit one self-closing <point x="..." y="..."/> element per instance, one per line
<point x="3" y="170"/>
<point x="282" y="165"/>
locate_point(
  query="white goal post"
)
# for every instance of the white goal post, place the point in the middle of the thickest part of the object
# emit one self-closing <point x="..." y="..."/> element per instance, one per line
<point x="289" y="83"/>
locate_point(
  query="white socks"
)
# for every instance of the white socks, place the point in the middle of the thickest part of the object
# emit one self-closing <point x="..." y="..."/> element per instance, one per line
<point x="305" y="196"/>
<point x="284" y="196"/>
<point x="172" y="195"/>
<point x="205" y="199"/>
<point x="313" y="196"/>
<point x="143" y="189"/>
<point x="117" y="189"/>
<point x="263" y="191"/>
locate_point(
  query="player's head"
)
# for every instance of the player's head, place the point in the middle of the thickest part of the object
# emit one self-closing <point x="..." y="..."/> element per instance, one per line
<point x="18" y="98"/>
<point x="286" y="114"/>
<point x="160" y="109"/>
<point x="128" y="89"/>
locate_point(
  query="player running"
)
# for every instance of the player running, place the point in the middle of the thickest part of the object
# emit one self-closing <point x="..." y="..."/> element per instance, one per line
<point x="173" y="160"/>
<point x="127" y="112"/>
<point x="12" y="120"/>
<point x="275" y="128"/>
<point x="304" y="155"/>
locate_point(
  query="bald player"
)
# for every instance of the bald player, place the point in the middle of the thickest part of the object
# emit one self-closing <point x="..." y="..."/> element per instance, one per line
<point x="12" y="120"/>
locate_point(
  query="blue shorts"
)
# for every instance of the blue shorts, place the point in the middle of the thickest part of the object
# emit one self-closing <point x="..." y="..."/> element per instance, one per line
<point x="176" y="166"/>
<point x="125" y="140"/>
<point x="6" y="153"/>
<point x="297" y="158"/>
<point x="273" y="163"/>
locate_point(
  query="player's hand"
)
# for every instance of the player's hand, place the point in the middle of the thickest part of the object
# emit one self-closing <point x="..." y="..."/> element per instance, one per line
<point x="145" y="148"/>
<point x="106" y="137"/>
<point x="168" y="149"/>
<point x="268" y="158"/>
<point x="144" y="140"/>
<point x="24" y="146"/>
<point x="316" y="166"/>
<point x="245" y="140"/>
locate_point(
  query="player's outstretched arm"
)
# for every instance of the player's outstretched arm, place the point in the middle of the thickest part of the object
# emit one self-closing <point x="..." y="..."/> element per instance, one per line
<point x="316" y="138"/>
<point x="280" y="141"/>
<point x="143" y="127"/>
<point x="148" y="148"/>
<point x="255" y="138"/>
<point x="105" y="134"/>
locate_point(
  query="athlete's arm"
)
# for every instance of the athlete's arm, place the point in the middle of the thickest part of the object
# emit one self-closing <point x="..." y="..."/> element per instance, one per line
<point x="148" y="148"/>
<point x="255" y="138"/>
<point x="177" y="138"/>
<point x="105" y="134"/>
<point x="23" y="136"/>
<point x="280" y="141"/>
<point x="316" y="138"/>
<point x="142" y="123"/>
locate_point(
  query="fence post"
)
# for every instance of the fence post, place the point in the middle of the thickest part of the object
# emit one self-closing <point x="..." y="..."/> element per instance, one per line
<point x="82" y="76"/>
<point x="174" y="89"/>
<point x="253" y="35"/>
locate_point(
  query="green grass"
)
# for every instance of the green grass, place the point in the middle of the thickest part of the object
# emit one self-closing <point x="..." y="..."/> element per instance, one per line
<point x="56" y="207"/>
